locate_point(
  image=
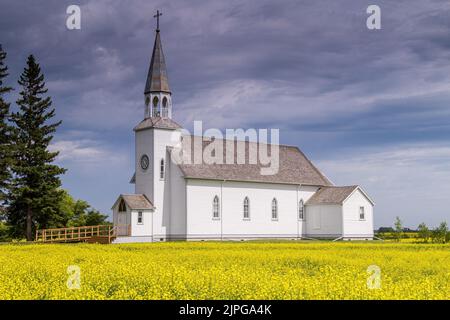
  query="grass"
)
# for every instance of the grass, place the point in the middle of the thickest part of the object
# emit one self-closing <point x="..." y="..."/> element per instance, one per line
<point x="228" y="270"/>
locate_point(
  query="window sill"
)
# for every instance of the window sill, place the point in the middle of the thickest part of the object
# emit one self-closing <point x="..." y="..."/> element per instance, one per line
<point x="274" y="219"/>
<point x="246" y="219"/>
<point x="216" y="219"/>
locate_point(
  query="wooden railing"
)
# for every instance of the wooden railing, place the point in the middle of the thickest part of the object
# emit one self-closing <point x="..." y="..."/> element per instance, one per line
<point x="76" y="234"/>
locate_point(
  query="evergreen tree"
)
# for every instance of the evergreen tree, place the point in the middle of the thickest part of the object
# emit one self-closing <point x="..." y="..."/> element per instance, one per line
<point x="5" y="131"/>
<point x="35" y="192"/>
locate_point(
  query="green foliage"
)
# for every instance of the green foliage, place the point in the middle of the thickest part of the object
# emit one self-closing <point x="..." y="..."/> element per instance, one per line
<point x="398" y="228"/>
<point x="4" y="232"/>
<point x="80" y="213"/>
<point x="424" y="232"/>
<point x="440" y="234"/>
<point x="35" y="193"/>
<point x="5" y="131"/>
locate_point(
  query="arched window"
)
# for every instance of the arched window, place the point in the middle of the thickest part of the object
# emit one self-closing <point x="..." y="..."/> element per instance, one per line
<point x="165" y="107"/>
<point x="155" y="107"/>
<point x="161" y="169"/>
<point x="216" y="206"/>
<point x="122" y="206"/>
<point x="246" y="208"/>
<point x="274" y="209"/>
<point x="301" y="210"/>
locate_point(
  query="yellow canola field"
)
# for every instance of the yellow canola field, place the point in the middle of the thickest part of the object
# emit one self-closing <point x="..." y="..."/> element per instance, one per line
<point x="228" y="270"/>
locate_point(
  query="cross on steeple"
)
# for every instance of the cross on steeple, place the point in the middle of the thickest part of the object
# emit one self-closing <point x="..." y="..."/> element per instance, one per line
<point x="157" y="15"/>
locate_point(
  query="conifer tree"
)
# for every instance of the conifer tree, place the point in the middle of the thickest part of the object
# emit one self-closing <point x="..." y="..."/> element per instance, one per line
<point x="5" y="131"/>
<point x="35" y="192"/>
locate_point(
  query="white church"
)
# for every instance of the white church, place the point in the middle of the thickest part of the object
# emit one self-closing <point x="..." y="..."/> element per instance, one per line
<point x="176" y="200"/>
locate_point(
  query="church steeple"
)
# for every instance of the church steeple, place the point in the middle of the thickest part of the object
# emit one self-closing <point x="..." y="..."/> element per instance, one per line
<point x="157" y="92"/>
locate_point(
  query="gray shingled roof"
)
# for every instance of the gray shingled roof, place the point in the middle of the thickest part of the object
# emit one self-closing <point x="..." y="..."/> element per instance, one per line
<point x="157" y="122"/>
<point x="137" y="201"/>
<point x="157" y="80"/>
<point x="294" y="167"/>
<point x="331" y="195"/>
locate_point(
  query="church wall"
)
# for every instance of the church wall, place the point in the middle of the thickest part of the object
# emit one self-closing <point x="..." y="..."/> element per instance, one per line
<point x="177" y="198"/>
<point x="144" y="229"/>
<point x="161" y="200"/>
<point x="144" y="178"/>
<point x="260" y="222"/>
<point x="353" y="226"/>
<point x="200" y="222"/>
<point x="199" y="205"/>
<point x="305" y="192"/>
<point x="324" y="221"/>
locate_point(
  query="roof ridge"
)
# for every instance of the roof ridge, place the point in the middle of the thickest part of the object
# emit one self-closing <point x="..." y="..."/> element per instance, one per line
<point x="348" y="186"/>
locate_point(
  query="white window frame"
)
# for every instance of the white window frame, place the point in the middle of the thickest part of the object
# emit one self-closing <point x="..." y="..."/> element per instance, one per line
<point x="246" y="209"/>
<point x="362" y="213"/>
<point x="140" y="216"/>
<point x="216" y="208"/>
<point x="274" y="205"/>
<point x="301" y="210"/>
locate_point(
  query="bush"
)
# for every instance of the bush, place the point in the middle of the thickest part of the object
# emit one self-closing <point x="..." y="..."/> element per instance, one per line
<point x="440" y="234"/>
<point x="4" y="232"/>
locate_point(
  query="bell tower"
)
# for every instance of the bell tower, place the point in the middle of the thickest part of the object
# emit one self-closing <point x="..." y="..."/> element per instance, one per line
<point x="158" y="97"/>
<point x="153" y="136"/>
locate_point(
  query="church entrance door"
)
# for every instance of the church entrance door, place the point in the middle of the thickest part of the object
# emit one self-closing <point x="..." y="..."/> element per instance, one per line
<point x="122" y="226"/>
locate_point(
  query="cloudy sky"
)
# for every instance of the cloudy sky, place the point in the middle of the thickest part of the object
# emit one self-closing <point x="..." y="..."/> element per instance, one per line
<point x="369" y="107"/>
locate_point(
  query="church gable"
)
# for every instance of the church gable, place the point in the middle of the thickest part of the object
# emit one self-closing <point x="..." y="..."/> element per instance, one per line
<point x="133" y="202"/>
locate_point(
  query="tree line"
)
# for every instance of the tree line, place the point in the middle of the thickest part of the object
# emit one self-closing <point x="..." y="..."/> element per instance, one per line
<point x="31" y="196"/>
<point x="440" y="234"/>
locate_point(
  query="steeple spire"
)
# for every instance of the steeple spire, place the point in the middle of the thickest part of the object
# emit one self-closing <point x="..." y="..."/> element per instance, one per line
<point x="157" y="74"/>
<point x="157" y="91"/>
